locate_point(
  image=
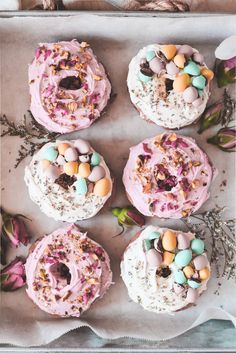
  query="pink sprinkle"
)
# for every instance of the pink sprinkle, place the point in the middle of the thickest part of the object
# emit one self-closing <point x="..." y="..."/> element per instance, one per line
<point x="38" y="53"/>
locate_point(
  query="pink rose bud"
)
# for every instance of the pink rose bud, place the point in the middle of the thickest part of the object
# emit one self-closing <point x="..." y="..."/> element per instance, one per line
<point x="226" y="72"/>
<point x="12" y="277"/>
<point x="225" y="139"/>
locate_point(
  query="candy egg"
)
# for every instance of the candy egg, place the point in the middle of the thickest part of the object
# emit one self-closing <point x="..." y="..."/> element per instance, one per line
<point x="172" y="69"/>
<point x="192" y="69"/>
<point x="198" y="58"/>
<point x="81" y="186"/>
<point x="190" y="94"/>
<point x="52" y="172"/>
<point x="154" y="258"/>
<point x="188" y="271"/>
<point x="204" y="274"/>
<point x="169" y="51"/>
<point x="179" y="60"/>
<point x="186" y="50"/>
<point x="168" y="257"/>
<point x="200" y="262"/>
<point x="200" y="92"/>
<point x="51" y="154"/>
<point x="197" y="102"/>
<point x="84" y="158"/>
<point x="144" y="78"/>
<point x="90" y="187"/>
<point x="156" y="65"/>
<point x="147" y="244"/>
<point x="183" y="258"/>
<point x="102" y="187"/>
<point x="71" y="168"/>
<point x="209" y="74"/>
<point x="181" y="82"/>
<point x="178" y="289"/>
<point x="62" y="147"/>
<point x="150" y="55"/>
<point x="95" y="159"/>
<point x="169" y="241"/>
<point x="183" y="241"/>
<point x="97" y="173"/>
<point x="199" y="82"/>
<point x="84" y="170"/>
<point x="197" y="245"/>
<point x="193" y="284"/>
<point x="179" y="277"/>
<point x="71" y="154"/>
<point x="153" y="235"/>
<point x="82" y="146"/>
<point x="60" y="160"/>
<point x="44" y="163"/>
<point x="192" y="295"/>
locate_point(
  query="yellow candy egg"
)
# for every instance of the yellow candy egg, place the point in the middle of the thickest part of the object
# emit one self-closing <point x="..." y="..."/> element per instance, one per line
<point x="102" y="187"/>
<point x="84" y="170"/>
<point x="71" y="168"/>
<point x="168" y="257"/>
<point x="181" y="82"/>
<point x="62" y="147"/>
<point x="179" y="60"/>
<point x="169" y="51"/>
<point x="204" y="273"/>
<point x="188" y="271"/>
<point x="209" y="74"/>
<point x="44" y="163"/>
<point x="169" y="241"/>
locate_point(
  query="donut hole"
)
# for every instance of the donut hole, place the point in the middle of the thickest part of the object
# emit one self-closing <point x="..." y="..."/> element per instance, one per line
<point x="61" y="273"/>
<point x="70" y="83"/>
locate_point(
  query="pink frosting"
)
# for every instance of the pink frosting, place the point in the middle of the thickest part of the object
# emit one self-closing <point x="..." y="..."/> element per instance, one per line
<point x="173" y="179"/>
<point x="84" y="276"/>
<point x="65" y="110"/>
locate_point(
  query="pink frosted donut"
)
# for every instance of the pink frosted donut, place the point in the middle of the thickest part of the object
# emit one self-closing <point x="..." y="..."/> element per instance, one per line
<point x="66" y="271"/>
<point x="167" y="176"/>
<point x="69" y="87"/>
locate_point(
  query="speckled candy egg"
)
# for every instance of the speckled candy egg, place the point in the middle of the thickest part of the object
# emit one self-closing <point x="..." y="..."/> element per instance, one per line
<point x="154" y="235"/>
<point x="156" y="65"/>
<point x="181" y="82"/>
<point x="102" y="187"/>
<point x="179" y="277"/>
<point x="192" y="69"/>
<point x="188" y="271"/>
<point x="154" y="259"/>
<point x="81" y="186"/>
<point x="190" y="94"/>
<point x="144" y="78"/>
<point x="60" y="160"/>
<point x="84" y="158"/>
<point x="192" y="295"/>
<point x="199" y="82"/>
<point x="198" y="58"/>
<point x="197" y="102"/>
<point x="179" y="60"/>
<point x="84" y="170"/>
<point x="95" y="159"/>
<point x="204" y="274"/>
<point x="169" y="51"/>
<point x="44" y="164"/>
<point x="200" y="262"/>
<point x="193" y="284"/>
<point x="82" y="146"/>
<point x="207" y="73"/>
<point x="71" y="154"/>
<point x="62" y="147"/>
<point x="52" y="172"/>
<point x="97" y="173"/>
<point x="183" y="258"/>
<point x="172" y="69"/>
<point x="183" y="241"/>
<point x="178" y="289"/>
<point x="169" y="241"/>
<point x="168" y="258"/>
<point x="186" y="50"/>
<point x="197" y="246"/>
<point x="150" y="55"/>
<point x="50" y="154"/>
<point x="71" y="168"/>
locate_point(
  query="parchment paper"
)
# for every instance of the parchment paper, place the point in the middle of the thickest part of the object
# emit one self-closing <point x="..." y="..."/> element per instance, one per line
<point x="115" y="41"/>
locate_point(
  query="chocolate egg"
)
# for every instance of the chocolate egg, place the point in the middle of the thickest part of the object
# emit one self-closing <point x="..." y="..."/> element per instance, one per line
<point x="71" y="168"/>
<point x="198" y="58"/>
<point x="181" y="82"/>
<point x="84" y="170"/>
<point x="156" y="65"/>
<point x="95" y="159"/>
<point x="62" y="147"/>
<point x="172" y="69"/>
<point x="178" y="289"/>
<point x="188" y="271"/>
<point x="50" y="154"/>
<point x="190" y="94"/>
<point x="97" y="173"/>
<point x="102" y="187"/>
<point x="71" y="154"/>
<point x="183" y="258"/>
<point x="209" y="74"/>
<point x="150" y="55"/>
<point x="52" y="172"/>
<point x="204" y="274"/>
<point x="183" y="241"/>
<point x="84" y="158"/>
<point x="193" y="284"/>
<point x="169" y="241"/>
<point x="82" y="146"/>
<point x="44" y="163"/>
<point x="197" y="102"/>
<point x="179" y="277"/>
<point x="179" y="60"/>
<point x="168" y="258"/>
<point x="144" y="78"/>
<point x="154" y="258"/>
<point x="153" y="235"/>
<point x="186" y="50"/>
<point x="192" y="69"/>
<point x="200" y="262"/>
<point x="60" y="160"/>
<point x="81" y="186"/>
<point x="197" y="246"/>
<point x="192" y="295"/>
<point x="169" y="51"/>
<point x="199" y="82"/>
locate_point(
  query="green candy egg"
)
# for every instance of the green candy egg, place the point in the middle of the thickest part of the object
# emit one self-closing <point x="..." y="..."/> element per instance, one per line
<point x="95" y="159"/>
<point x="81" y="186"/>
<point x="179" y="277"/>
<point x="193" y="284"/>
<point x="153" y="235"/>
<point x="200" y="92"/>
<point x="192" y="69"/>
<point x="147" y="244"/>
<point x="50" y="154"/>
<point x="183" y="258"/>
<point x="150" y="55"/>
<point x="197" y="246"/>
<point x="199" y="82"/>
<point x="144" y="78"/>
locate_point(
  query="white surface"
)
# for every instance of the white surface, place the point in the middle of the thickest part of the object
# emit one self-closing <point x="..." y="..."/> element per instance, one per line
<point x="121" y="127"/>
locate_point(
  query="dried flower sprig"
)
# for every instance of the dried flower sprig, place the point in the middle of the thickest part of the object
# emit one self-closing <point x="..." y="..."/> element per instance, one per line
<point x="30" y="132"/>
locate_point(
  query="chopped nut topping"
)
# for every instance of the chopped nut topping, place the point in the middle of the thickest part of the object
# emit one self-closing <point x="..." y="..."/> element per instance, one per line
<point x="161" y="176"/>
<point x="173" y="137"/>
<point x="195" y="184"/>
<point x="97" y="78"/>
<point x="72" y="106"/>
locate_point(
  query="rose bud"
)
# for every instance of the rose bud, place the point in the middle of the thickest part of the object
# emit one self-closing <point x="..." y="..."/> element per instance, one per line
<point x="225" y="139"/>
<point x="211" y="116"/>
<point x="128" y="216"/>
<point x="226" y="72"/>
<point x="12" y="277"/>
<point x="2" y="250"/>
<point x="13" y="228"/>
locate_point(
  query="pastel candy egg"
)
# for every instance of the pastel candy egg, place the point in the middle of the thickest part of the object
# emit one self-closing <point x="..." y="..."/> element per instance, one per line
<point x="95" y="159"/>
<point x="81" y="186"/>
<point x="169" y="51"/>
<point x="51" y="154"/>
<point x="198" y="58"/>
<point x="199" y="82"/>
<point x="197" y="245"/>
<point x="144" y="78"/>
<point x="150" y="55"/>
<point x="192" y="295"/>
<point x="193" y="284"/>
<point x="147" y="244"/>
<point x="44" y="163"/>
<point x="82" y="146"/>
<point x="156" y="65"/>
<point x="168" y="257"/>
<point x="183" y="258"/>
<point x="179" y="60"/>
<point x="200" y="92"/>
<point x="169" y="241"/>
<point x="197" y="102"/>
<point x="102" y="187"/>
<point x="186" y="50"/>
<point x="84" y="158"/>
<point x="188" y="271"/>
<point x="190" y="94"/>
<point x="71" y="168"/>
<point x="178" y="289"/>
<point x="153" y="235"/>
<point x="200" y="262"/>
<point x="60" y="160"/>
<point x="204" y="274"/>
<point x="71" y="154"/>
<point x="192" y="69"/>
<point x="154" y="258"/>
<point x="209" y="74"/>
<point x="179" y="277"/>
<point x="52" y="172"/>
<point x="97" y="173"/>
<point x="181" y="82"/>
<point x="84" y="170"/>
<point x="183" y="241"/>
<point x="172" y="69"/>
<point x="62" y="147"/>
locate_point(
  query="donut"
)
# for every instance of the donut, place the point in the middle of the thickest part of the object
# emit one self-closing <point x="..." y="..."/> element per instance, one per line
<point x="169" y="84"/>
<point x="165" y="270"/>
<point x="167" y="176"/>
<point x="68" y="180"/>
<point x="68" y="86"/>
<point x="66" y="272"/>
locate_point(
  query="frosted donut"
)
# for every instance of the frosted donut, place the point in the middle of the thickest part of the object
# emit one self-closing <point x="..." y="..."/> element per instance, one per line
<point x="165" y="270"/>
<point x="68" y="86"/>
<point x="66" y="272"/>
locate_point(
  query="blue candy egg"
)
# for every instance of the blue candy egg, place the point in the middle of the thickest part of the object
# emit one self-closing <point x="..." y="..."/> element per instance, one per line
<point x="50" y="154"/>
<point x="197" y="245"/>
<point x="147" y="244"/>
<point x="81" y="186"/>
<point x="95" y="159"/>
<point x="193" y="284"/>
<point x="183" y="258"/>
<point x="200" y="92"/>
<point x="150" y="55"/>
<point x="153" y="235"/>
<point x="179" y="277"/>
<point x="192" y="69"/>
<point x="199" y="82"/>
<point x="144" y="78"/>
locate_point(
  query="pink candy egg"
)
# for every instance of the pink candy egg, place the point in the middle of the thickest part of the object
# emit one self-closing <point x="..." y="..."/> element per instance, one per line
<point x="82" y="146"/>
<point x="60" y="160"/>
<point x="183" y="241"/>
<point x="178" y="289"/>
<point x="192" y="295"/>
<point x="190" y="94"/>
<point x="156" y="65"/>
<point x="97" y="173"/>
<point x="52" y="172"/>
<point x="198" y="58"/>
<point x="200" y="262"/>
<point x="186" y="50"/>
<point x="71" y="154"/>
<point x="197" y="102"/>
<point x="154" y="258"/>
<point x="172" y="69"/>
